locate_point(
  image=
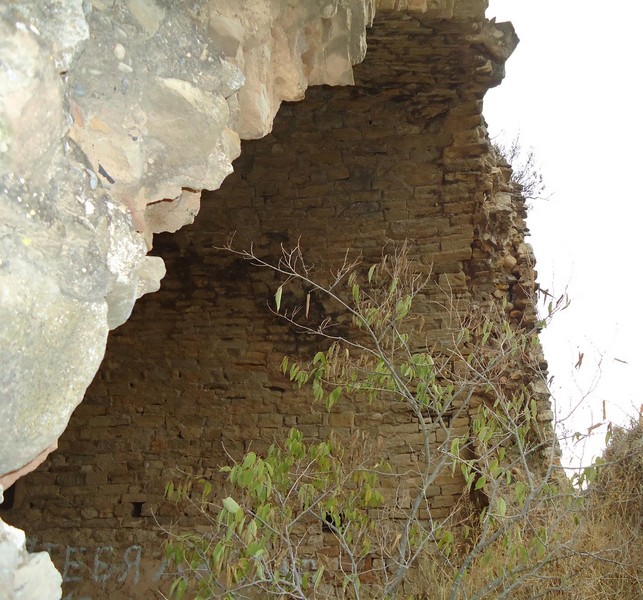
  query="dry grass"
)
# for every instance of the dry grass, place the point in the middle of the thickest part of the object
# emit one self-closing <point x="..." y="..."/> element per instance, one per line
<point x="595" y="543"/>
<point x="612" y="522"/>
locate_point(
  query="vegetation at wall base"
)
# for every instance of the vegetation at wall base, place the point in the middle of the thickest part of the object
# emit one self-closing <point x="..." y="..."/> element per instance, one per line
<point x="312" y="519"/>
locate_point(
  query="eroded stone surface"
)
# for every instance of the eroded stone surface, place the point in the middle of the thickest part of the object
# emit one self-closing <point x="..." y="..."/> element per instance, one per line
<point x="162" y="94"/>
<point x="71" y="264"/>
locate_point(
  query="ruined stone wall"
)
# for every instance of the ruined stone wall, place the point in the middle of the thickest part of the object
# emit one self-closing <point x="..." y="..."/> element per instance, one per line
<point x="402" y="155"/>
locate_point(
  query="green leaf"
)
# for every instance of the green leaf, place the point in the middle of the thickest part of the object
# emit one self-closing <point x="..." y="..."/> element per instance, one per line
<point x="255" y="549"/>
<point x="501" y="507"/>
<point x="318" y="390"/>
<point x="301" y="378"/>
<point x="538" y="546"/>
<point x="333" y="397"/>
<point x="445" y="542"/>
<point x="231" y="505"/>
<point x="402" y="307"/>
<point x="169" y="489"/>
<point x="320" y="358"/>
<point x="278" y="293"/>
<point x="249" y="460"/>
<point x="455" y="446"/>
<point x="484" y="435"/>
<point x="178" y="587"/>
<point x="371" y="271"/>
<point x="207" y="490"/>
<point x="319" y="575"/>
<point x="217" y="558"/>
<point x="482" y="481"/>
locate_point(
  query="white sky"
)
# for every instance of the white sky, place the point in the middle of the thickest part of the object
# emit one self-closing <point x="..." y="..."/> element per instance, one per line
<point x="574" y="90"/>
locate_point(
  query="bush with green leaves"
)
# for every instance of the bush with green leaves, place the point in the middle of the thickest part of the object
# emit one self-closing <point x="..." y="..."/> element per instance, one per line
<point x="258" y="538"/>
<point x="309" y="520"/>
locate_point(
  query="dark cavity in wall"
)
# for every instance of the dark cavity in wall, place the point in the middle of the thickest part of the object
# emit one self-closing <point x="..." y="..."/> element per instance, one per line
<point x="137" y="509"/>
<point x="9" y="496"/>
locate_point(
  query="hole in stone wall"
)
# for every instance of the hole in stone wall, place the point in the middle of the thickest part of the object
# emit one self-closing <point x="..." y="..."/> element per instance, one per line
<point x="137" y="509"/>
<point x="330" y="524"/>
<point x="9" y="498"/>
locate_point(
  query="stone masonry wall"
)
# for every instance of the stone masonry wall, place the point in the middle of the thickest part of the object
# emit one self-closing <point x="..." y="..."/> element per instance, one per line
<point x="402" y="155"/>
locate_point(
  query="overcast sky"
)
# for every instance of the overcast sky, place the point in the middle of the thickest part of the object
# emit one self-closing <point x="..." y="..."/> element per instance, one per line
<point x="573" y="90"/>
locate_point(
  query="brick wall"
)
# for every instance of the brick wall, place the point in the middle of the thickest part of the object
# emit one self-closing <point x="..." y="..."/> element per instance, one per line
<point x="402" y="155"/>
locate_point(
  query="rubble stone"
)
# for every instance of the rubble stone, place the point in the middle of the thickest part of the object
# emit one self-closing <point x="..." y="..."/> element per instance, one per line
<point x="23" y="575"/>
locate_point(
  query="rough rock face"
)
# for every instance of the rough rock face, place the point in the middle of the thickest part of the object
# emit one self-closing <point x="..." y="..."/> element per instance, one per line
<point x="113" y="117"/>
<point x="25" y="576"/>
<point x="163" y="93"/>
<point x="71" y="265"/>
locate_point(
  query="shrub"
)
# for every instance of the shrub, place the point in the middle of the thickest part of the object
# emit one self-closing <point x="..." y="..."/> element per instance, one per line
<point x="311" y="519"/>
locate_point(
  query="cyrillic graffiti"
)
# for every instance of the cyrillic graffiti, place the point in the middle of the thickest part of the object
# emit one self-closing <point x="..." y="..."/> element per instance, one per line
<point x="102" y="564"/>
<point x="105" y="567"/>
